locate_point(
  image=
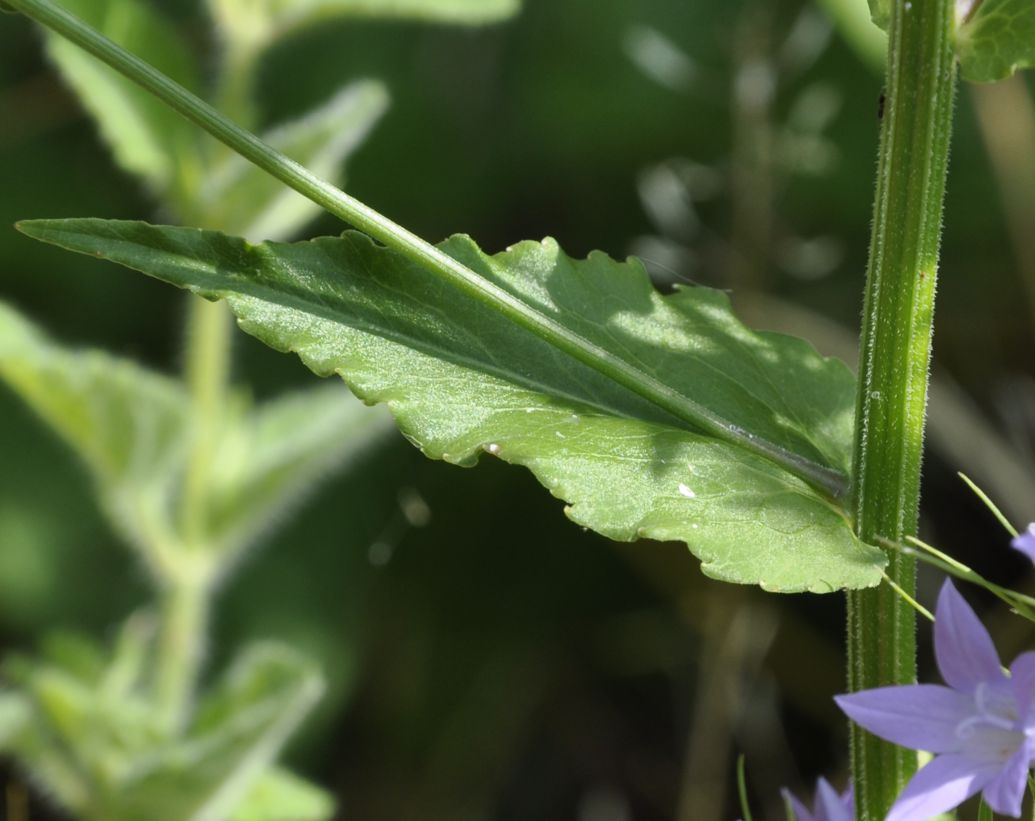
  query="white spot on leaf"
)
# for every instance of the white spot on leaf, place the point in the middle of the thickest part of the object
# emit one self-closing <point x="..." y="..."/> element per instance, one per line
<point x="685" y="491"/>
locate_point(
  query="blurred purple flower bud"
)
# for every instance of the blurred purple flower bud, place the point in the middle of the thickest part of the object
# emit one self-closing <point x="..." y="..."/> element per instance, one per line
<point x="829" y="805"/>
<point x="1025" y="542"/>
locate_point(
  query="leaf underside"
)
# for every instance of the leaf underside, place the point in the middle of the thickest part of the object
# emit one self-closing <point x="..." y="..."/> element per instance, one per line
<point x="461" y="381"/>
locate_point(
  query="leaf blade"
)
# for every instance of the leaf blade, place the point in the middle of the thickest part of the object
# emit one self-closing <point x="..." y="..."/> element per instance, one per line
<point x="460" y="383"/>
<point x="129" y="425"/>
<point x="271" y="457"/>
<point x="997" y="40"/>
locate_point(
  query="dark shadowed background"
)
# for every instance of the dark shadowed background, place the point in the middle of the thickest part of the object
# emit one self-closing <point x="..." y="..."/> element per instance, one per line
<point x="491" y="660"/>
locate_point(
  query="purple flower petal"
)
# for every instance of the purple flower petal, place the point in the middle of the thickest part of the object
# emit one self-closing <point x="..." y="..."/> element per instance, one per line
<point x="800" y="811"/>
<point x="918" y="716"/>
<point x="962" y="646"/>
<point x="1022" y="680"/>
<point x="946" y="782"/>
<point x="1025" y="542"/>
<point x="1005" y="793"/>
<point x="829" y="805"/>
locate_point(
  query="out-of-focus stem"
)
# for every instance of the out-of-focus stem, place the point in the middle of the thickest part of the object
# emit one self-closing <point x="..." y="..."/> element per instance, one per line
<point x="184" y="615"/>
<point x="207" y="375"/>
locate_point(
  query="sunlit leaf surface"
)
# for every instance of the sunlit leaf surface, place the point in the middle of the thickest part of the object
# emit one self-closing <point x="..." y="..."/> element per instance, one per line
<point x="462" y="381"/>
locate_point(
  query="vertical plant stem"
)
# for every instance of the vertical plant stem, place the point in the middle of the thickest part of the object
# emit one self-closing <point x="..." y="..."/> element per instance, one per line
<point x="184" y="614"/>
<point x="187" y="586"/>
<point x="895" y="355"/>
<point x="207" y="375"/>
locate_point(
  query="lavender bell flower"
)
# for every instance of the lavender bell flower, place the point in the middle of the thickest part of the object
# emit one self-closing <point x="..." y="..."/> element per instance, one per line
<point x="1025" y="542"/>
<point x="981" y="727"/>
<point x="829" y="805"/>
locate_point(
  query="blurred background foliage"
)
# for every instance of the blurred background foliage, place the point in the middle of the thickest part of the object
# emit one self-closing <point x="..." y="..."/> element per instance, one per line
<point x="486" y="659"/>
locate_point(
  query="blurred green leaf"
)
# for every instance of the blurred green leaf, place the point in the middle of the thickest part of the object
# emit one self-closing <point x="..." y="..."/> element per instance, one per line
<point x="880" y="12"/>
<point x="24" y="733"/>
<point x="244" y="200"/>
<point x="261" y="21"/>
<point x="240" y="730"/>
<point x="282" y="796"/>
<point x="15" y="712"/>
<point x="147" y="137"/>
<point x="997" y="40"/>
<point x="96" y="744"/>
<point x="131" y="427"/>
<point x="269" y="458"/>
<point x="128" y="424"/>
<point x="461" y="381"/>
<point x="857" y="27"/>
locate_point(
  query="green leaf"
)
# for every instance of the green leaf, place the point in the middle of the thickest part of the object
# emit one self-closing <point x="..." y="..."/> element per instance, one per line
<point x="132" y="427"/>
<point x="880" y="12"/>
<point x="282" y="796"/>
<point x="146" y="136"/>
<point x="95" y="744"/>
<point x="249" y="26"/>
<point x="128" y="424"/>
<point x="857" y="27"/>
<point x="997" y="39"/>
<point x="15" y="713"/>
<point x="994" y="38"/>
<point x="261" y="21"/>
<point x="244" y="200"/>
<point x="269" y="458"/>
<point x="437" y="11"/>
<point x="461" y="381"/>
<point x="240" y="730"/>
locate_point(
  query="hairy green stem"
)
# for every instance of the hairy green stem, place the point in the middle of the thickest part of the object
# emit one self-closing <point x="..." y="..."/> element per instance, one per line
<point x="894" y="359"/>
<point x="417" y="250"/>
